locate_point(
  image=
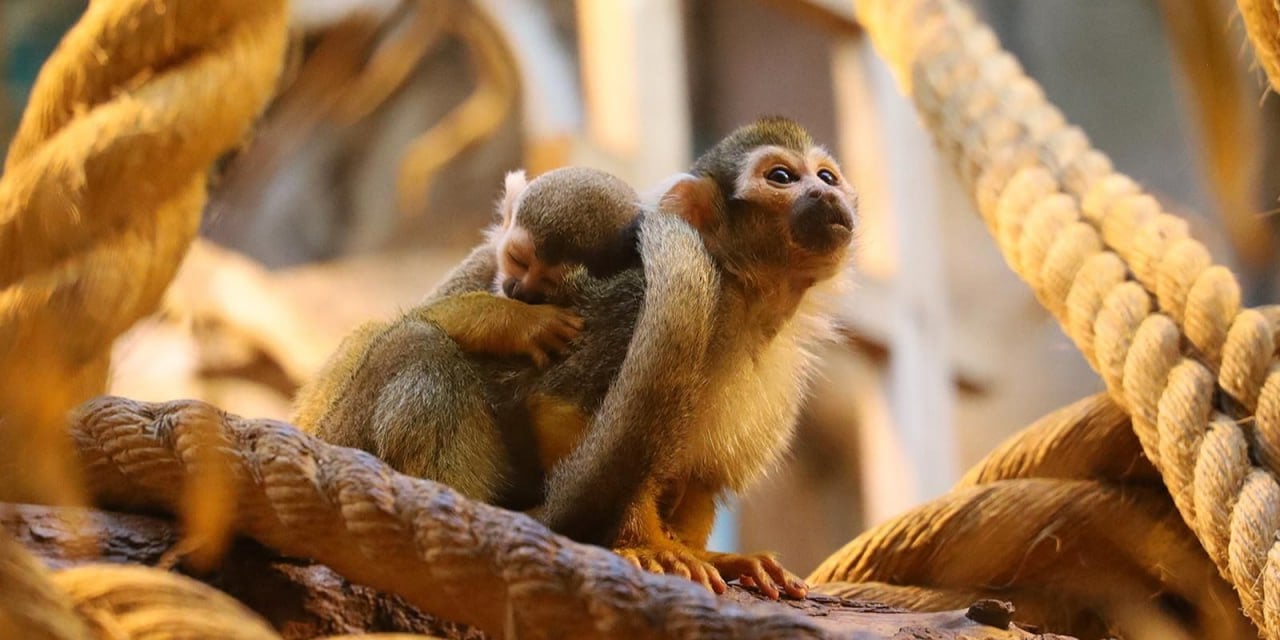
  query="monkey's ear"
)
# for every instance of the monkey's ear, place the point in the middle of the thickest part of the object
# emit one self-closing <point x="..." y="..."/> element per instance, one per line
<point x="651" y="197"/>
<point x="512" y="187"/>
<point x="695" y="199"/>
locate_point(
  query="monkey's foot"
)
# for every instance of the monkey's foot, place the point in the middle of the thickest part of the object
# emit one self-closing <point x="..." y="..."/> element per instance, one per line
<point x="675" y="561"/>
<point x="759" y="570"/>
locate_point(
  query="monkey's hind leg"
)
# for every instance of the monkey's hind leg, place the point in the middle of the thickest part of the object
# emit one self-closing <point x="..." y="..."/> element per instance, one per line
<point x="408" y="395"/>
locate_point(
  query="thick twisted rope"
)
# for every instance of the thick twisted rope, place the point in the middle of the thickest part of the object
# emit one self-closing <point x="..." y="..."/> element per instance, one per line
<point x="1034" y="524"/>
<point x="102" y="194"/>
<point x="31" y="606"/>
<point x="124" y="601"/>
<point x="114" y="601"/>
<point x="453" y="558"/>
<point x="1142" y="300"/>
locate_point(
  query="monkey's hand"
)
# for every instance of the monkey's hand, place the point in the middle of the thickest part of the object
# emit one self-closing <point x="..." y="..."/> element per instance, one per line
<point x="483" y="323"/>
<point x="545" y="329"/>
<point x="759" y="570"/>
<point x="675" y="560"/>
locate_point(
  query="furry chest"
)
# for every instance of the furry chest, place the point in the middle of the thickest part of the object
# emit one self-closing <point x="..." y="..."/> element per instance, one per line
<point x="748" y="417"/>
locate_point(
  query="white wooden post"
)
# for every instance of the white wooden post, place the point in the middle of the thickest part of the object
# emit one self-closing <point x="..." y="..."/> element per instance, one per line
<point x="907" y="435"/>
<point x="633" y="80"/>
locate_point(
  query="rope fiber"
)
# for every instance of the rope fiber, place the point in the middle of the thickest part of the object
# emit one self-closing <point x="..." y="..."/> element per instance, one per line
<point x="1160" y="322"/>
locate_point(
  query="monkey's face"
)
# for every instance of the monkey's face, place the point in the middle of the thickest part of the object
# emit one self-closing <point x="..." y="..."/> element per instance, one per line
<point x="521" y="275"/>
<point x="800" y="198"/>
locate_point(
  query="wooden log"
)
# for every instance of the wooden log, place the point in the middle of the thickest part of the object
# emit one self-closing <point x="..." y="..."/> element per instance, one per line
<point x="303" y="599"/>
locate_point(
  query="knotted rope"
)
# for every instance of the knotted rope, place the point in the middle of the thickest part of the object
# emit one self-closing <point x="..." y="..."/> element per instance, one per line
<point x="1143" y="301"/>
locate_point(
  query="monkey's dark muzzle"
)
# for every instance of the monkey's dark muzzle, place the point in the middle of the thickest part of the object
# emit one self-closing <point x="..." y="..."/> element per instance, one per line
<point x="515" y="290"/>
<point x="821" y="223"/>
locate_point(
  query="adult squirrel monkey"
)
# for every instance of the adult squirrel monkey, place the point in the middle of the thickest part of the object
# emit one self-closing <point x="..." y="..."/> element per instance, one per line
<point x="777" y="218"/>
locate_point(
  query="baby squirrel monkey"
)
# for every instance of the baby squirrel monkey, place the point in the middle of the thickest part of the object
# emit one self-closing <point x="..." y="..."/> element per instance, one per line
<point x="563" y="219"/>
<point x="566" y="219"/>
<point x="425" y="392"/>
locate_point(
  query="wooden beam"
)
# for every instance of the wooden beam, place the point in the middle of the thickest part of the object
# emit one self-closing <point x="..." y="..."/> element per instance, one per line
<point x="633" y="80"/>
<point x="907" y="426"/>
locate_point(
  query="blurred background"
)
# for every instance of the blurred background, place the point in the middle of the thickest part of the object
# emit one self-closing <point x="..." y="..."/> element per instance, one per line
<point x="378" y="164"/>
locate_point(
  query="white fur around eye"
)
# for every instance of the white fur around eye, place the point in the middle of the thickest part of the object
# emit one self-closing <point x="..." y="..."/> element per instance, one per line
<point x="761" y="160"/>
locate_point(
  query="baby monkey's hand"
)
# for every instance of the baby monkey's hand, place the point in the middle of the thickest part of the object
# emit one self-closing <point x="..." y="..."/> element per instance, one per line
<point x="547" y="330"/>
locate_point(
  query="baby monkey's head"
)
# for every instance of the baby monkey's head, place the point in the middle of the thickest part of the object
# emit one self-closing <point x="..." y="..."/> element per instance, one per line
<point x="563" y="218"/>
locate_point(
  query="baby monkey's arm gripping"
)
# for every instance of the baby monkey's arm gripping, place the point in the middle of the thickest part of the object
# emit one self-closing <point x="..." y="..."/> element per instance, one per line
<point x="484" y="323"/>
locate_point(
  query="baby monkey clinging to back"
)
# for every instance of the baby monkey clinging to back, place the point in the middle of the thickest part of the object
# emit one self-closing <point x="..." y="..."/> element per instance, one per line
<point x="543" y="232"/>
<point x="420" y="392"/>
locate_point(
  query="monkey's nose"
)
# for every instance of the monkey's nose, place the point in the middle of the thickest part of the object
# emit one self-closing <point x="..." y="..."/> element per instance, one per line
<point x="511" y="287"/>
<point x="815" y="193"/>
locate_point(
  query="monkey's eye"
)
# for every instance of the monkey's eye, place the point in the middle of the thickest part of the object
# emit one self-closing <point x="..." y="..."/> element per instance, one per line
<point x="516" y="261"/>
<point x="828" y="177"/>
<point x="780" y="175"/>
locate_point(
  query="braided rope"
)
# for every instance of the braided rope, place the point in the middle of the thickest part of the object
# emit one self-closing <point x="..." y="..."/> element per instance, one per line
<point x="102" y="194"/>
<point x="453" y="558"/>
<point x="1142" y="300"/>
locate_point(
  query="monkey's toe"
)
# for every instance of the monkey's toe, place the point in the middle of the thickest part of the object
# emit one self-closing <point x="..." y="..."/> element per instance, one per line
<point x="676" y="562"/>
<point x="761" y="571"/>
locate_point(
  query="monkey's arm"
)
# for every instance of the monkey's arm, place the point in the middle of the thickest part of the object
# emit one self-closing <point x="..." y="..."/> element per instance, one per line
<point x="643" y="416"/>
<point x="484" y="323"/>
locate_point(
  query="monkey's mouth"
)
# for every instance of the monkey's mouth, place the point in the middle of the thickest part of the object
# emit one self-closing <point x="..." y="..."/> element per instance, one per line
<point x="822" y="227"/>
<point x="842" y="221"/>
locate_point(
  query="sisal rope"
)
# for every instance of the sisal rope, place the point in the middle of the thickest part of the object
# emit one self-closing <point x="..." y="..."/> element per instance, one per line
<point x="453" y="558"/>
<point x="102" y="193"/>
<point x="1066" y="520"/>
<point x="1142" y="300"/>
